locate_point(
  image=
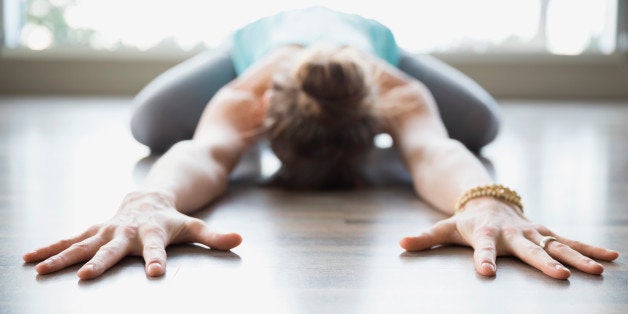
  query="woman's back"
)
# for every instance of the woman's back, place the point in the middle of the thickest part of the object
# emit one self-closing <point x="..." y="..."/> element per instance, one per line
<point x="314" y="25"/>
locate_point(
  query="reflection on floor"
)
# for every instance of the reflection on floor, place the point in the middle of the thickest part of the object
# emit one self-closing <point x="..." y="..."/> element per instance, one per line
<point x="67" y="162"/>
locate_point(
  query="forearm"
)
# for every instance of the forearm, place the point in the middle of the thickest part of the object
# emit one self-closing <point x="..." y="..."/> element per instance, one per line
<point x="192" y="172"/>
<point x="442" y="170"/>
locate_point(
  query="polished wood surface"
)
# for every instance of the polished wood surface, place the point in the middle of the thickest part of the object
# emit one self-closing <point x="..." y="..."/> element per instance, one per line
<point x="65" y="163"/>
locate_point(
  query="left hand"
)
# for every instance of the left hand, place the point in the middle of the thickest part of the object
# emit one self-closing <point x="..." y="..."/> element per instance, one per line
<point x="493" y="228"/>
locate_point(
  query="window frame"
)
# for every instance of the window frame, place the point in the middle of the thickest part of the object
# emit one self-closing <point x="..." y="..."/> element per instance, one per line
<point x="538" y="75"/>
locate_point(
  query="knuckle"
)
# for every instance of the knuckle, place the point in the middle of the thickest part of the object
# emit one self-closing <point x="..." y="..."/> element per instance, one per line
<point x="487" y="231"/>
<point x="534" y="250"/>
<point x="153" y="247"/>
<point x="541" y="228"/>
<point x="129" y="231"/>
<point x="53" y="260"/>
<point x="57" y="259"/>
<point x="81" y="247"/>
<point x="510" y="232"/>
<point x="488" y="250"/>
<point x="107" y="250"/>
<point x="66" y="242"/>
<point x="91" y="263"/>
<point x="97" y="262"/>
<point x="529" y="231"/>
<point x="154" y="231"/>
<point x="108" y="229"/>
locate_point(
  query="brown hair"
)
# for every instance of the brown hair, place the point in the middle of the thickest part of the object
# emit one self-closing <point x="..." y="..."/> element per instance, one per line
<point x="320" y="122"/>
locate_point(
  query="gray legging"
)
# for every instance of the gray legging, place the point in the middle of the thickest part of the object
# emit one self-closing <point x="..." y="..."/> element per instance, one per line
<point x="168" y="108"/>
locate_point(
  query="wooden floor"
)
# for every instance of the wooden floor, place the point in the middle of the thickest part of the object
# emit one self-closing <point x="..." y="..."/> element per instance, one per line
<point x="65" y="163"/>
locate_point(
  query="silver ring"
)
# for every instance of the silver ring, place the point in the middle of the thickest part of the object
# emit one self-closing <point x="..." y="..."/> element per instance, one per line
<point x="545" y="240"/>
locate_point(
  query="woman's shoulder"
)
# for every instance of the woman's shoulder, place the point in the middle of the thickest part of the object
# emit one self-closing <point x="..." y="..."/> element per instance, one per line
<point x="396" y="94"/>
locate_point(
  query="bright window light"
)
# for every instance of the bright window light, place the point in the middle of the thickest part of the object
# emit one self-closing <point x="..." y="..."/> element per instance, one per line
<point x="383" y="141"/>
<point x="566" y="32"/>
<point x="535" y="26"/>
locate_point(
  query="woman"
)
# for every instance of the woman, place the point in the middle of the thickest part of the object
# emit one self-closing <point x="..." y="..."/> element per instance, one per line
<point x="319" y="99"/>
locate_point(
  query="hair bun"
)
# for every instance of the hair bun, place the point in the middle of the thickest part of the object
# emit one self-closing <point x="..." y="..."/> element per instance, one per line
<point x="319" y="121"/>
<point x="333" y="81"/>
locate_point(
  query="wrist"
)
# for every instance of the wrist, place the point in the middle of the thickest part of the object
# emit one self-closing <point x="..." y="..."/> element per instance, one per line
<point x="496" y="192"/>
<point x="488" y="204"/>
<point x="156" y="194"/>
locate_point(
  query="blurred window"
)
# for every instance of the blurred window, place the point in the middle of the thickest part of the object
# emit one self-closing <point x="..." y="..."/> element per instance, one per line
<point x="450" y="26"/>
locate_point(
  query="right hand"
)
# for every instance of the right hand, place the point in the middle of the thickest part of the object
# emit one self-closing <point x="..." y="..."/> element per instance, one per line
<point x="146" y="223"/>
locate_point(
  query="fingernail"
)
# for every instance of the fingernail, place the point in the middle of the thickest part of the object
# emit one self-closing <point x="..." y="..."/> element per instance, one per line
<point x="89" y="268"/>
<point x="488" y="266"/>
<point x="154" y="267"/>
<point x="561" y="267"/>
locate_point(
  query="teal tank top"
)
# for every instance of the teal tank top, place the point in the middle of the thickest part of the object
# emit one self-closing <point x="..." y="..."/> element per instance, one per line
<point x="309" y="26"/>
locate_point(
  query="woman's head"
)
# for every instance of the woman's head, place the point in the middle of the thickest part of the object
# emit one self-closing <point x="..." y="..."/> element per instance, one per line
<point x="320" y="122"/>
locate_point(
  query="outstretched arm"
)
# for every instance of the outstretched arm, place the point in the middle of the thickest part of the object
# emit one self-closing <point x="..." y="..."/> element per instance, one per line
<point x="443" y="169"/>
<point x="186" y="178"/>
<point x="196" y="171"/>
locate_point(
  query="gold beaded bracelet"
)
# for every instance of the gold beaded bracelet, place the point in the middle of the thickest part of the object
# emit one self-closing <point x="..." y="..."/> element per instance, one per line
<point x="497" y="191"/>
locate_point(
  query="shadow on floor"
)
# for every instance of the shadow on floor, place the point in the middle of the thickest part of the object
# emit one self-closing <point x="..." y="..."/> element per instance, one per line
<point x="387" y="169"/>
